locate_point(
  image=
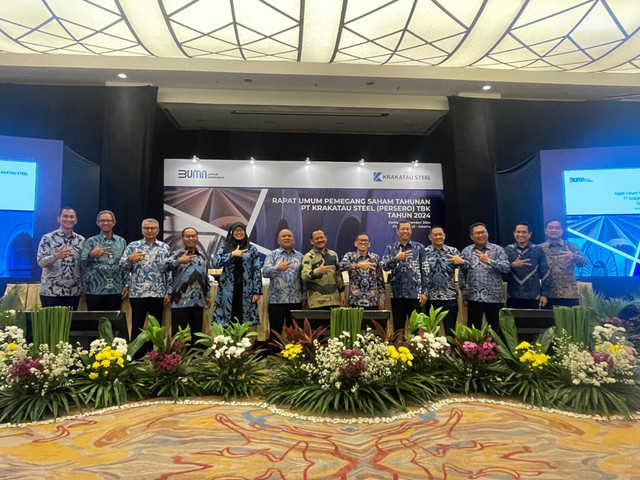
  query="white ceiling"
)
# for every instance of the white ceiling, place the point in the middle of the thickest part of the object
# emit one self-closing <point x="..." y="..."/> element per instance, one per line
<point x="374" y="66"/>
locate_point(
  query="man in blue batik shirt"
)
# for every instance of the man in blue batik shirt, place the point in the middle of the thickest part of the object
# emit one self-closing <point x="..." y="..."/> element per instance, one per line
<point x="59" y="257"/>
<point x="191" y="292"/>
<point x="149" y="283"/>
<point x="286" y="289"/>
<point x="484" y="264"/>
<point x="409" y="270"/>
<point x="443" y="261"/>
<point x="103" y="278"/>
<point x="529" y="282"/>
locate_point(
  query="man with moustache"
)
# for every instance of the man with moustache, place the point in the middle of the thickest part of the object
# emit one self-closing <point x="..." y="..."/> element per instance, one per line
<point x="484" y="264"/>
<point x="59" y="257"/>
<point x="409" y="271"/>
<point x="443" y="261"/>
<point x="283" y="268"/>
<point x="562" y="257"/>
<point x="103" y="278"/>
<point x="321" y="275"/>
<point x="191" y="293"/>
<point x="529" y="281"/>
<point x="366" y="283"/>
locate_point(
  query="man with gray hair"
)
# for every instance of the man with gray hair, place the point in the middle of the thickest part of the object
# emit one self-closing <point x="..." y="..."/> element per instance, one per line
<point x="104" y="280"/>
<point x="149" y="284"/>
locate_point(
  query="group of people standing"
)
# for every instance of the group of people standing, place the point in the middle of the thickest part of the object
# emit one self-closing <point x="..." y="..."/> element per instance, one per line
<point x="108" y="270"/>
<point x="538" y="276"/>
<point x="151" y="275"/>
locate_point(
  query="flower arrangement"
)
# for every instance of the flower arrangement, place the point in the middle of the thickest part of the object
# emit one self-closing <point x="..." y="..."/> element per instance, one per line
<point x="229" y="366"/>
<point x="362" y="373"/>
<point x="603" y="378"/>
<point x="33" y="385"/>
<point x="474" y="362"/>
<point x="167" y="368"/>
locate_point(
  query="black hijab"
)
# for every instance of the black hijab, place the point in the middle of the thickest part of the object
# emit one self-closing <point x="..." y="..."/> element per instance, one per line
<point x="230" y="243"/>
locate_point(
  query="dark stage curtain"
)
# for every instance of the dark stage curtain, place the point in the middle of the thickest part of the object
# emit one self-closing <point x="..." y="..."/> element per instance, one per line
<point x="130" y="179"/>
<point x="520" y="192"/>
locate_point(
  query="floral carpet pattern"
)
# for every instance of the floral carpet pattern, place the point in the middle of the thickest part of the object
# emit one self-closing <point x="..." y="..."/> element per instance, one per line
<point x="458" y="439"/>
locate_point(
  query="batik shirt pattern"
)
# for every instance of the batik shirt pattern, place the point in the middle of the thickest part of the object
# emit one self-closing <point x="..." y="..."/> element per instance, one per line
<point x="285" y="286"/>
<point x="147" y="278"/>
<point x="483" y="281"/>
<point x="190" y="280"/>
<point x="60" y="277"/>
<point x="563" y="278"/>
<point x="441" y="278"/>
<point x="103" y="275"/>
<point x="408" y="277"/>
<point x="366" y="286"/>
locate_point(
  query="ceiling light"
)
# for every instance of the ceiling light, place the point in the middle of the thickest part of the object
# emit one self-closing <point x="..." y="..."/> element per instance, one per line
<point x="252" y="161"/>
<point x="195" y="159"/>
<point x="486" y="87"/>
<point x="122" y="75"/>
<point x="415" y="163"/>
<point x="361" y="162"/>
<point x="307" y="160"/>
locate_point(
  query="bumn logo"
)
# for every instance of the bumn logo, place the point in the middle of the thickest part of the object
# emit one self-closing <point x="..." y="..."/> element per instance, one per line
<point x="192" y="173"/>
<point x="376" y="176"/>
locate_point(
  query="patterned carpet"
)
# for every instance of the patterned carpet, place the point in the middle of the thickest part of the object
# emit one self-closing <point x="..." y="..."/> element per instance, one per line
<point x="459" y="439"/>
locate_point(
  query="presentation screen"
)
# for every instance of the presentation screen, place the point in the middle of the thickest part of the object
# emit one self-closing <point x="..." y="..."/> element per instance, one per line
<point x="343" y="199"/>
<point x="596" y="192"/>
<point x="17" y="209"/>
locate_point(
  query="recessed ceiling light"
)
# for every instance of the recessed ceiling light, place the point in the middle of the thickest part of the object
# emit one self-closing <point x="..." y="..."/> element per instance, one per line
<point x="362" y="162"/>
<point x="307" y="160"/>
<point x="486" y="87"/>
<point x="122" y="75"/>
<point x="252" y="161"/>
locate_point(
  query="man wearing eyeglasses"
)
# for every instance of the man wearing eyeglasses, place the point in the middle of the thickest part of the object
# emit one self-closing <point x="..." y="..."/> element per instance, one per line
<point x="366" y="283"/>
<point x="103" y="278"/>
<point x="149" y="284"/>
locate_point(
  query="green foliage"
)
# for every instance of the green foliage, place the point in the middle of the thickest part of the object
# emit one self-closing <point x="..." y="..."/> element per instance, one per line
<point x="51" y="325"/>
<point x="346" y="320"/>
<point x="429" y="323"/>
<point x="28" y="407"/>
<point x="578" y="322"/>
<point x="604" y="307"/>
<point x="608" y="399"/>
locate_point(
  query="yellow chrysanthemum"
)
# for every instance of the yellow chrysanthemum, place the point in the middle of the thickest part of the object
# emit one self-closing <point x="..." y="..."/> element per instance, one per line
<point x="106" y="372"/>
<point x="95" y="365"/>
<point x="105" y="363"/>
<point x="12" y="346"/>
<point x="523" y="345"/>
<point x="93" y="375"/>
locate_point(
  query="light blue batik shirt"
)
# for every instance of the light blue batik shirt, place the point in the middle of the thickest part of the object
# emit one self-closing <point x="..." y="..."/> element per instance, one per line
<point x="147" y="278"/>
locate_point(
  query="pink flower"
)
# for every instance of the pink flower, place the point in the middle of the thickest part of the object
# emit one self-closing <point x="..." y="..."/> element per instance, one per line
<point x="23" y="367"/>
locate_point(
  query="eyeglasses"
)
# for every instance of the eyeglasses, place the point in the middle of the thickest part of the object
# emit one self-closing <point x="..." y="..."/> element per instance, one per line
<point x="362" y="240"/>
<point x="105" y="221"/>
<point x="150" y="228"/>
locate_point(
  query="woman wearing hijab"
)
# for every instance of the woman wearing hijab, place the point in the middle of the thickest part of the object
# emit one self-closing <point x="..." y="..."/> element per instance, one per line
<point x="240" y="284"/>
